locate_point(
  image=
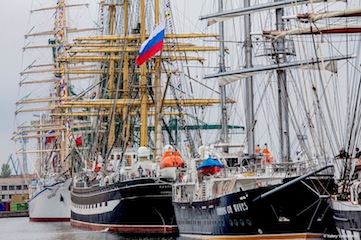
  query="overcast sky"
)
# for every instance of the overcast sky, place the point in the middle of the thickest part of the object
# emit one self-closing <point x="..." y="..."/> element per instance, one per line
<point x="14" y="16"/>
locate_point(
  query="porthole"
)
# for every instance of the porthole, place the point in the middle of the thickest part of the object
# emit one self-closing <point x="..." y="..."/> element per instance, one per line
<point x="249" y="222"/>
<point x="241" y="222"/>
<point x="236" y="222"/>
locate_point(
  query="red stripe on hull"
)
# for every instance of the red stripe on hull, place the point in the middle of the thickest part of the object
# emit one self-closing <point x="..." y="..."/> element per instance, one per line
<point x="49" y="219"/>
<point x="126" y="229"/>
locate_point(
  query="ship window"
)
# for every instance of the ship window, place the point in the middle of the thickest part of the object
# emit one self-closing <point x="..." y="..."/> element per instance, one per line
<point x="106" y="203"/>
<point x="18" y="187"/>
<point x="12" y="187"/>
<point x="231" y="222"/>
<point x="4" y="188"/>
<point x="249" y="222"/>
<point x="25" y="187"/>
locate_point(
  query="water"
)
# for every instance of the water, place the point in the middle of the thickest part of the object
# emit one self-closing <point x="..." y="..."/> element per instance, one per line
<point x="23" y="229"/>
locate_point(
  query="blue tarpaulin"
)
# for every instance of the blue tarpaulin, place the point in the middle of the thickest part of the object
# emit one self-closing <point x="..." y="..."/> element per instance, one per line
<point x="209" y="163"/>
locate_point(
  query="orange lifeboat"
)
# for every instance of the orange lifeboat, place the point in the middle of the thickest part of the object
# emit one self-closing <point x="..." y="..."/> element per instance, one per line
<point x="171" y="159"/>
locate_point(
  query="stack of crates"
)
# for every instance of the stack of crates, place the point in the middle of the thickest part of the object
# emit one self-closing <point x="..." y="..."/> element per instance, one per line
<point x="23" y="206"/>
<point x="13" y="206"/>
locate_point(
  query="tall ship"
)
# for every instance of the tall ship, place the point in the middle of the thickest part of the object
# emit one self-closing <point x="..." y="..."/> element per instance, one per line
<point x="138" y="113"/>
<point x="277" y="181"/>
<point x="43" y="137"/>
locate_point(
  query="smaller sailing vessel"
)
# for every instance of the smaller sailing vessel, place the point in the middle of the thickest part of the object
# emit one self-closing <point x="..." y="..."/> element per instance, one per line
<point x="42" y="136"/>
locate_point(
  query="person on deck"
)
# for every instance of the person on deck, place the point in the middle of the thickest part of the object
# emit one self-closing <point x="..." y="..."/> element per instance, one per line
<point x="358" y="153"/>
<point x="258" y="149"/>
<point x="342" y="154"/>
<point x="267" y="155"/>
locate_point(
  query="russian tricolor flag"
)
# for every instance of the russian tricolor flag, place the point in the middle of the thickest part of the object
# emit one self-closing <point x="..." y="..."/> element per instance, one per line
<point x="152" y="45"/>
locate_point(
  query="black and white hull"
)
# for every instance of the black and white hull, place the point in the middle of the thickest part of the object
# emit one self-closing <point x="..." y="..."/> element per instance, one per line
<point x="294" y="212"/>
<point x="252" y="199"/>
<point x="138" y="206"/>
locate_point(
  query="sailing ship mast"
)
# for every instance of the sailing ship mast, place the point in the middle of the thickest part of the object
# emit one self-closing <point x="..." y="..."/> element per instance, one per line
<point x="222" y="68"/>
<point x="51" y="122"/>
<point x="61" y="67"/>
<point x="280" y="57"/>
<point x="118" y="56"/>
<point x="143" y="84"/>
<point x="280" y="51"/>
<point x="250" y="122"/>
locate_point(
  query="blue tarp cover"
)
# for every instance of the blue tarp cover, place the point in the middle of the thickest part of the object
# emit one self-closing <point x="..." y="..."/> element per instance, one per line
<point x="209" y="163"/>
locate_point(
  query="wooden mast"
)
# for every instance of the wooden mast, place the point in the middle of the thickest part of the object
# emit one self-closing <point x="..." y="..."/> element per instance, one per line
<point x="62" y="40"/>
<point x="111" y="88"/>
<point x="143" y="84"/>
<point x="158" y="95"/>
<point x="126" y="116"/>
<point x="106" y="49"/>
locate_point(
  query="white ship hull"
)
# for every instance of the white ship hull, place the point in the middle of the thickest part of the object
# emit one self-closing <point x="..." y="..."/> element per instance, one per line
<point x="51" y="203"/>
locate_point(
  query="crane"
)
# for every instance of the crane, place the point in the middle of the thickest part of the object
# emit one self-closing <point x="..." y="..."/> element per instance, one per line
<point x="13" y="163"/>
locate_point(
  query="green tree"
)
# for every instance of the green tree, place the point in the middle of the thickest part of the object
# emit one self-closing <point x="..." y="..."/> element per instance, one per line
<point x="5" y="170"/>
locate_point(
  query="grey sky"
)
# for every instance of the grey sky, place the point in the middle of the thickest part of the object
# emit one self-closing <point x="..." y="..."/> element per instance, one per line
<point x="14" y="16"/>
<point x="14" y="24"/>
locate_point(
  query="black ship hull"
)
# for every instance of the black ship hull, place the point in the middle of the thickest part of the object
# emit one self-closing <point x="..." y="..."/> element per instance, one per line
<point x="295" y="212"/>
<point x="141" y="206"/>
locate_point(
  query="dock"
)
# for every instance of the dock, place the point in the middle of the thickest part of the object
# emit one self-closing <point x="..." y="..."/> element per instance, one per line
<point x="10" y="214"/>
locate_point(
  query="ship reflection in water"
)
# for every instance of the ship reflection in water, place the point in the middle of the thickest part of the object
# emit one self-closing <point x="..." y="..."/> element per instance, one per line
<point x="22" y="229"/>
